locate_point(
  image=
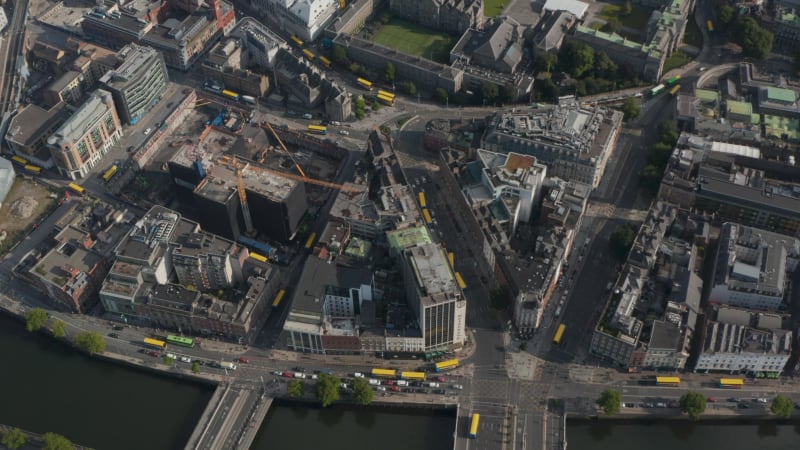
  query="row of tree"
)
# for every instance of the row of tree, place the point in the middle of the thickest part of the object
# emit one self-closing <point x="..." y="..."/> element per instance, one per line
<point x="15" y="439"/>
<point x="658" y="157"/>
<point x="91" y="342"/>
<point x="328" y="390"/>
<point x="692" y="403"/>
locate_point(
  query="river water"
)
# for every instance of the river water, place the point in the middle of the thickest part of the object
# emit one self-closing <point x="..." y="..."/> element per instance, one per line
<point x="45" y="386"/>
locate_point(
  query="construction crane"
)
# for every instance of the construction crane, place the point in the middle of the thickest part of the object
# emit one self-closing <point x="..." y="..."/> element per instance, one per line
<point x="226" y="161"/>
<point x="248" y="220"/>
<point x="296" y="164"/>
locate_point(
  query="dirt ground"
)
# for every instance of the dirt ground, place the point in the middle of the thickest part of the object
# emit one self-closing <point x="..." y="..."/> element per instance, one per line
<point x="16" y="227"/>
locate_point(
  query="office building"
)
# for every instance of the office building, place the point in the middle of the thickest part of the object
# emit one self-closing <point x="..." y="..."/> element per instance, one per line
<point x="29" y="130"/>
<point x="203" y="261"/>
<point x="572" y="141"/>
<point x="138" y="83"/>
<point x="742" y="341"/>
<point x="306" y="19"/>
<point x="752" y="266"/>
<point x="259" y="41"/>
<point x="435" y="296"/>
<point x="81" y="142"/>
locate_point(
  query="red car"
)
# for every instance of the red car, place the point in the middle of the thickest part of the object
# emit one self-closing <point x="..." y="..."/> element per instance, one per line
<point x="154" y="353"/>
<point x="388" y="383"/>
<point x="288" y="375"/>
<point x="712" y="400"/>
<point x="440" y="378"/>
<point x="244" y="360"/>
<point x="395" y="388"/>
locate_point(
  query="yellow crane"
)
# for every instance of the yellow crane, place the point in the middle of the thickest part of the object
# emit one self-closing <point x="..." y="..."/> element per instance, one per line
<point x="296" y="164"/>
<point x="248" y="220"/>
<point x="226" y="161"/>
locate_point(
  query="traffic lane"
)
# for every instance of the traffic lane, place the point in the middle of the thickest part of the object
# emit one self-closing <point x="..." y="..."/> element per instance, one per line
<point x="490" y="349"/>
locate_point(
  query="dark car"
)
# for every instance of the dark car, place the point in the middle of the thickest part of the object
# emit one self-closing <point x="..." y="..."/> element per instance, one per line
<point x="407" y="390"/>
<point x="420" y="391"/>
<point x="743" y="406"/>
<point x="416" y="383"/>
<point x="299" y="369"/>
<point x="154" y="353"/>
<point x="113" y="335"/>
<point x="117" y="327"/>
<point x="440" y="391"/>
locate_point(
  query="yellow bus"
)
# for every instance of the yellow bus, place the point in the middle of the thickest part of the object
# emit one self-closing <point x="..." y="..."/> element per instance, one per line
<point x="732" y="383"/>
<point x="325" y="61"/>
<point x="675" y="89"/>
<point x="77" y="188"/>
<point x="668" y="381"/>
<point x="155" y="343"/>
<point x="388" y="101"/>
<point x="278" y="298"/>
<point x="297" y="41"/>
<point x="386" y="94"/>
<point x="19" y="160"/>
<point x="309" y="54"/>
<point x="452" y="258"/>
<point x="473" y="426"/>
<point x="450" y="364"/>
<point x="33" y="169"/>
<point x="417" y="376"/>
<point x="310" y="241"/>
<point x="110" y="173"/>
<point x="317" y="129"/>
<point x="363" y="82"/>
<point x="710" y="25"/>
<point x="427" y="215"/>
<point x="258" y="257"/>
<point x="384" y="373"/>
<point x="422" y="202"/>
<point x="559" y="334"/>
<point x="460" y="281"/>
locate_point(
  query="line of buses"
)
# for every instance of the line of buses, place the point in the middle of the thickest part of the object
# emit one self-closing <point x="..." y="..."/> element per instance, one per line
<point x="309" y="54"/>
<point x="725" y="383"/>
<point x="25" y="164"/>
<point x="439" y="367"/>
<point x="160" y="344"/>
<point x="385" y="97"/>
<point x="671" y="85"/>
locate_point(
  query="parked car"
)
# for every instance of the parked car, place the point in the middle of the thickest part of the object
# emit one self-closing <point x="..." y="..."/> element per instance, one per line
<point x="440" y="378"/>
<point x="394" y="388"/>
<point x="711" y="400"/>
<point x="186" y="359"/>
<point x="244" y="360"/>
<point x="457" y="386"/>
<point x="113" y="335"/>
<point x="344" y="132"/>
<point x="358" y="375"/>
<point x="117" y="327"/>
<point x="307" y="116"/>
<point x="380" y="388"/>
<point x="147" y="131"/>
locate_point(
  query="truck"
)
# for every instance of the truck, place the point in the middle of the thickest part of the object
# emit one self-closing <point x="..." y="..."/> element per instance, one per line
<point x="227" y="365"/>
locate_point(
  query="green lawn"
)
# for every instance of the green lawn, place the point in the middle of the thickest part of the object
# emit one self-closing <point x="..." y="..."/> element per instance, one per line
<point x="414" y="40"/>
<point x="493" y="8"/>
<point x="693" y="36"/>
<point x="637" y="19"/>
<point x="678" y="59"/>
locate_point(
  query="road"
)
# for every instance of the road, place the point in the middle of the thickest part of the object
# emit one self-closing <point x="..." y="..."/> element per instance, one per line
<point x="9" y="52"/>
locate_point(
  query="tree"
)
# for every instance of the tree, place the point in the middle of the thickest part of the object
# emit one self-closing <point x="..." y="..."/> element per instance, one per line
<point x="621" y="240"/>
<point x="549" y="90"/>
<point x="490" y="91"/>
<point x="339" y="54"/>
<point x="356" y="68"/>
<point x="389" y="72"/>
<point x="409" y="87"/>
<point x="610" y="400"/>
<point x="627" y="8"/>
<point x="14" y="439"/>
<point x="196" y="367"/>
<point x="668" y="132"/>
<point x="90" y="342"/>
<point x="327" y="389"/>
<point x="604" y="67"/>
<point x="694" y="404"/>
<point x="630" y="108"/>
<point x="547" y="61"/>
<point x="612" y="25"/>
<point x="726" y="14"/>
<point x="375" y="106"/>
<point x="295" y="388"/>
<point x="650" y="179"/>
<point x="782" y="406"/>
<point x="362" y="393"/>
<point x="35" y="319"/>
<point x="59" y="328"/>
<point x="576" y="58"/>
<point x="440" y="94"/>
<point x="755" y="41"/>
<point x="168" y="360"/>
<point x="53" y="441"/>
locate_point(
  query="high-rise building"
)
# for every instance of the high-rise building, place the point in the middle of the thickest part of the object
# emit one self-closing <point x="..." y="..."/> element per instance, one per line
<point x="203" y="261"/>
<point x="138" y="83"/>
<point x="81" y="142"/>
<point x="434" y="294"/>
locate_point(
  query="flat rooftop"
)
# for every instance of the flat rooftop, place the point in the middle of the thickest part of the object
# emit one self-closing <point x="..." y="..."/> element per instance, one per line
<point x="433" y="276"/>
<point x="316" y="277"/>
<point x="219" y="185"/>
<point x="408" y="237"/>
<point x="201" y="243"/>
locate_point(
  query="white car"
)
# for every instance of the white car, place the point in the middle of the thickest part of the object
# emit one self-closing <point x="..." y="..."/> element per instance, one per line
<point x="171" y="356"/>
<point x="335" y="123"/>
<point x="344" y="132"/>
<point x="458" y="386"/>
<point x="186" y="359"/>
<point x="147" y="131"/>
<point x="433" y="385"/>
<point x="374" y="382"/>
<point x="381" y="388"/>
<point x="358" y="375"/>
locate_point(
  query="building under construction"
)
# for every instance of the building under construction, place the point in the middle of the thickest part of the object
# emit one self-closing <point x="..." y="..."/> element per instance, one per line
<point x="275" y="203"/>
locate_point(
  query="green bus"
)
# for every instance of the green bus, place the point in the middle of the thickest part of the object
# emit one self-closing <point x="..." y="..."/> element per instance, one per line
<point x="180" y="340"/>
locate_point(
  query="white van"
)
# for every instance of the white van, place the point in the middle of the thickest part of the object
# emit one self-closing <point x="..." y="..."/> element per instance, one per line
<point x="433" y="385"/>
<point x="358" y="375"/>
<point x="374" y="382"/>
<point x="402" y="383"/>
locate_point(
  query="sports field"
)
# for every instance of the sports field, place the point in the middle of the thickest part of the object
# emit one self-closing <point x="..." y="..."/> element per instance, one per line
<point x="414" y="40"/>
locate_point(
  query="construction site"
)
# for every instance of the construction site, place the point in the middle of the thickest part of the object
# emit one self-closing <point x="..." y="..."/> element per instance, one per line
<point x="239" y="179"/>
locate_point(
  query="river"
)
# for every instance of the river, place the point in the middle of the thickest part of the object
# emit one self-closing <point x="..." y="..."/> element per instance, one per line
<point x="45" y="386"/>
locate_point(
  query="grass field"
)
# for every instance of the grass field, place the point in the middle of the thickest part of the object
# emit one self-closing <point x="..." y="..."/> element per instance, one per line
<point x="677" y="59"/>
<point x="414" y="40"/>
<point x="493" y="8"/>
<point x="637" y="19"/>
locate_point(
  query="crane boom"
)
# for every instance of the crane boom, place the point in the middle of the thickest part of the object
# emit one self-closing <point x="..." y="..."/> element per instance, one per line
<point x="248" y="220"/>
<point x="296" y="164"/>
<point x="303" y="179"/>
